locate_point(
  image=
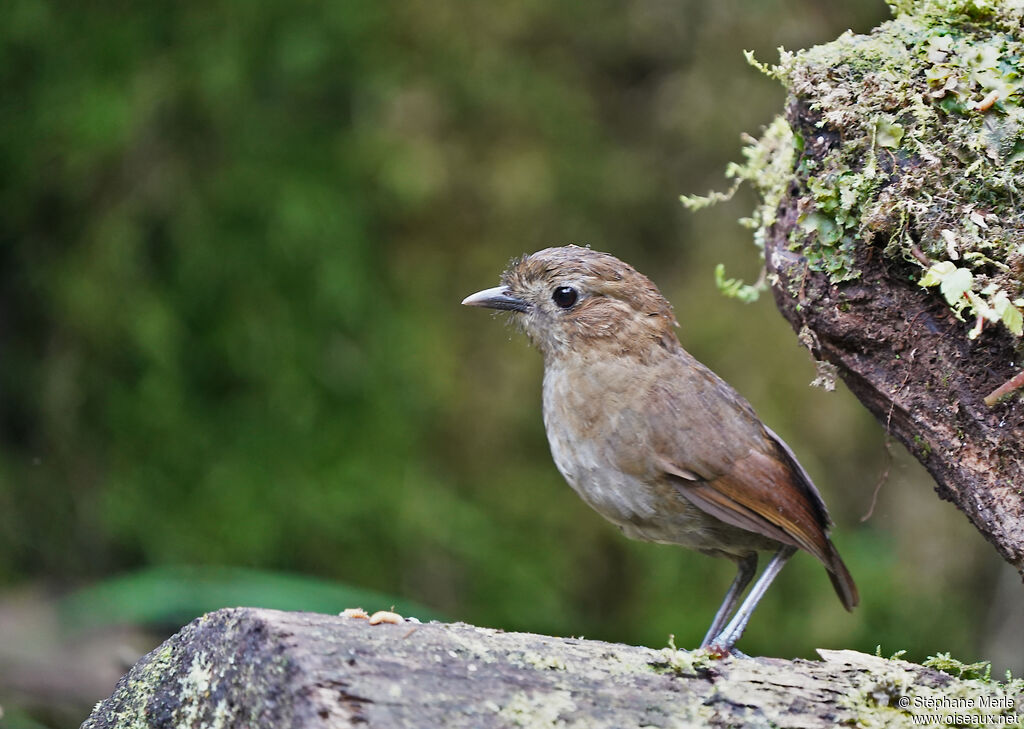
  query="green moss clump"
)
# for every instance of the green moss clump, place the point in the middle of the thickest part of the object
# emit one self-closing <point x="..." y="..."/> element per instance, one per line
<point x="916" y="143"/>
<point x="893" y="694"/>
<point x="682" y="662"/>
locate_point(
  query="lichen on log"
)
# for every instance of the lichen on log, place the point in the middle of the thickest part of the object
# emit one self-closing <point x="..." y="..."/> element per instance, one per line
<point x="264" y="668"/>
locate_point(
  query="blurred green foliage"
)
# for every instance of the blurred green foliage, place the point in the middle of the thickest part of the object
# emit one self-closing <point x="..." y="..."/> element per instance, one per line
<point x="233" y="242"/>
<point x="169" y="597"/>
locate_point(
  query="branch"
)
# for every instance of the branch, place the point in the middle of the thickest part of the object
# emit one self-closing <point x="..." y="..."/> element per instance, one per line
<point x="904" y="354"/>
<point x="892" y="229"/>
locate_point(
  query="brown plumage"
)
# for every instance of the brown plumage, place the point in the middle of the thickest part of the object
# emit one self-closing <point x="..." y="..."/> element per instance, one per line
<point x="651" y="438"/>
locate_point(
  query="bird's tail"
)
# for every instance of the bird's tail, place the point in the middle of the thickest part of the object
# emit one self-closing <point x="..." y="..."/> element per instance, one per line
<point x="843" y="583"/>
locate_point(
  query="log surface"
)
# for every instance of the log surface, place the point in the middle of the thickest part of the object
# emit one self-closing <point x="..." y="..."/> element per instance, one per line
<point x="257" y="668"/>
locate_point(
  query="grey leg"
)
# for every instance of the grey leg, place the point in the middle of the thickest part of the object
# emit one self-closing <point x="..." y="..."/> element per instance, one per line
<point x="725" y="640"/>
<point x="746" y="567"/>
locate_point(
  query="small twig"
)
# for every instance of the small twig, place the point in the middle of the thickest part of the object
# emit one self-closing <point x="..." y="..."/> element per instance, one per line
<point x="1006" y="388"/>
<point x="888" y="437"/>
<point x="979" y="324"/>
<point x="883" y="478"/>
<point x="917" y="253"/>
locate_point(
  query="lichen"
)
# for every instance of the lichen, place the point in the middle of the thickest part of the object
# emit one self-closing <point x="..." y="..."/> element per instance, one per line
<point x="130" y="711"/>
<point x="911" y="139"/>
<point x="682" y="662"/>
<point x="890" y="697"/>
<point x="182" y="684"/>
<point x="543" y="662"/>
<point x="538" y="710"/>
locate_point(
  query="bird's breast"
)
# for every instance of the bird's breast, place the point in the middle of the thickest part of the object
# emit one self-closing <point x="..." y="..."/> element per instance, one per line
<point x="600" y="442"/>
<point x="602" y="436"/>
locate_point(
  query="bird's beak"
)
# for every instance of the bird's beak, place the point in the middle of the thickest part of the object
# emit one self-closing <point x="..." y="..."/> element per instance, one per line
<point x="496" y="298"/>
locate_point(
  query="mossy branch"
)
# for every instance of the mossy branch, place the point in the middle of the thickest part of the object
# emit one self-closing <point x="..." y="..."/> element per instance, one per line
<point x="891" y="228"/>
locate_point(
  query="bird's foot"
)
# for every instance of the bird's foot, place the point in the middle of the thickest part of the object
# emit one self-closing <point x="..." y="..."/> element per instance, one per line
<point x="719" y="650"/>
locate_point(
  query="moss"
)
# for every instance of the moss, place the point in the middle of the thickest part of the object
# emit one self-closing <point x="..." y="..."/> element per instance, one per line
<point x="891" y="693"/>
<point x="684" y="663"/>
<point x="914" y="143"/>
<point x="981" y="671"/>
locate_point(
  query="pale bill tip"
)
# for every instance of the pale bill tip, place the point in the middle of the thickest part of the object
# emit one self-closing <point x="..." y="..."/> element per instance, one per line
<point x="497" y="298"/>
<point x="482" y="298"/>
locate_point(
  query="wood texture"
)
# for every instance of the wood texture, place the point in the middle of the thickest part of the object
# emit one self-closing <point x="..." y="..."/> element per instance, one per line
<point x="263" y="668"/>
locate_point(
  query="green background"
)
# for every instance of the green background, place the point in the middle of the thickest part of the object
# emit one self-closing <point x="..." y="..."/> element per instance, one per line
<point x="233" y="242"/>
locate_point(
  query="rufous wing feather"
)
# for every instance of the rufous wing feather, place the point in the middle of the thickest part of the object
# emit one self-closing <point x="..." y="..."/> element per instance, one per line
<point x="763" y="493"/>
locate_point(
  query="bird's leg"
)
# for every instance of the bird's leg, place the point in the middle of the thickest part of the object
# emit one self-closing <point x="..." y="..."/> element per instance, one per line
<point x="746" y="567"/>
<point x="725" y="640"/>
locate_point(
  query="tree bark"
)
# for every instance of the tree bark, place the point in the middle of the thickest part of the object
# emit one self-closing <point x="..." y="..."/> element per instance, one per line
<point x="263" y="668"/>
<point x="903" y="353"/>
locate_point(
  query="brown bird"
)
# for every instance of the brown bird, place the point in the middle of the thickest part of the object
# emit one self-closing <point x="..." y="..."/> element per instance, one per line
<point x="652" y="439"/>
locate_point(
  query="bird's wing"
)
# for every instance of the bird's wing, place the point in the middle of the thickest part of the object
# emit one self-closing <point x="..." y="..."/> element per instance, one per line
<point x="757" y="494"/>
<point x="712" y="446"/>
<point x="805" y="479"/>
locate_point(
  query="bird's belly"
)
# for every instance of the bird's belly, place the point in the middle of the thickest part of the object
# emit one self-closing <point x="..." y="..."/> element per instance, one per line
<point x="646" y="510"/>
<point x="620" y="497"/>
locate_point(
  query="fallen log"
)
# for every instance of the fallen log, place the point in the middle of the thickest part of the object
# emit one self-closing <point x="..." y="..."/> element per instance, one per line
<point x="256" y="668"/>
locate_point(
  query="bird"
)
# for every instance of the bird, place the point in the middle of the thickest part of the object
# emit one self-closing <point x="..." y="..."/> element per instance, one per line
<point x="652" y="439"/>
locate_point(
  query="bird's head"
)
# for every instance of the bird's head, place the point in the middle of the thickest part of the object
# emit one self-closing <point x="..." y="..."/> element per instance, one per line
<point x="573" y="299"/>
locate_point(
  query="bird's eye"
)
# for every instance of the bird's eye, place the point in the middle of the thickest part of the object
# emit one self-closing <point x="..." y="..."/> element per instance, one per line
<point x="564" y="296"/>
